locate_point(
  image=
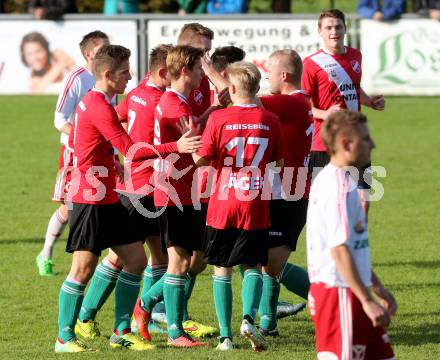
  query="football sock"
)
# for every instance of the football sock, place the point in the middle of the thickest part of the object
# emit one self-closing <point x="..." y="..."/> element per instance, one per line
<point x="268" y="303"/>
<point x="152" y="274"/>
<point x="189" y="286"/>
<point x="151" y="297"/>
<point x="296" y="280"/>
<point x="251" y="292"/>
<point x="126" y="293"/>
<point x="174" y="296"/>
<point x="241" y="269"/>
<point x="54" y="230"/>
<point x="70" y="300"/>
<point x="222" y="287"/>
<point x="101" y="286"/>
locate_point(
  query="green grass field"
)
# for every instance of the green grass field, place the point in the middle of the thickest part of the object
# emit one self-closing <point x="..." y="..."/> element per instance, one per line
<point x="404" y="228"/>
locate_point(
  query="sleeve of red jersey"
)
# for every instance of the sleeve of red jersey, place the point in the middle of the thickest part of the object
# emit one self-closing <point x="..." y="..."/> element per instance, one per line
<point x="308" y="81"/>
<point x="109" y="126"/>
<point x="336" y="216"/>
<point x="208" y="149"/>
<point x="278" y="148"/>
<point x="122" y="109"/>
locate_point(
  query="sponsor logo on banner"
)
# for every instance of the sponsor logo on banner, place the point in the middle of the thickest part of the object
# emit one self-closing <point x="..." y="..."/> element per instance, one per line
<point x="403" y="58"/>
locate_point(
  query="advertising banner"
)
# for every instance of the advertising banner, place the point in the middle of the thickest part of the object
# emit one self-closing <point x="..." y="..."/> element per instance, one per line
<point x="401" y="57"/>
<point x="36" y="55"/>
<point x="258" y="38"/>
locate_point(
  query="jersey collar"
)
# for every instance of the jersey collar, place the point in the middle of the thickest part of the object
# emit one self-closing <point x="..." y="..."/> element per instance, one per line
<point x="179" y="95"/>
<point x="246" y="105"/>
<point x="332" y="54"/>
<point x="150" y="84"/>
<point x="102" y="92"/>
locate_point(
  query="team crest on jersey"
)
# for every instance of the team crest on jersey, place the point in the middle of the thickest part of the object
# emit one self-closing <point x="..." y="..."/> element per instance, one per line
<point x="332" y="75"/>
<point x="198" y="97"/>
<point x="355" y="66"/>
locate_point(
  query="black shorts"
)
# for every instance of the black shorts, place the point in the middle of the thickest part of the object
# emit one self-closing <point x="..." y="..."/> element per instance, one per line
<point x="319" y="159"/>
<point x="230" y="247"/>
<point x="287" y="220"/>
<point x="181" y="228"/>
<point x="95" y="227"/>
<point x="142" y="225"/>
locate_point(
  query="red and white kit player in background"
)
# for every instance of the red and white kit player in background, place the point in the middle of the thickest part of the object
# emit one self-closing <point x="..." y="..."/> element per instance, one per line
<point x="332" y="79"/>
<point x="76" y="84"/>
<point x="349" y="323"/>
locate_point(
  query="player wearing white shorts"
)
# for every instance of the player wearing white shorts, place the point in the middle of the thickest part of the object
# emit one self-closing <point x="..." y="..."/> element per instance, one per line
<point x="76" y="84"/>
<point x="349" y="323"/>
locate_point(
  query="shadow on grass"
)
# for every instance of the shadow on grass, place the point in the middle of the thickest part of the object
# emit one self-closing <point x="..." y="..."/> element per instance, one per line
<point x="21" y="241"/>
<point x="426" y="333"/>
<point x="422" y="264"/>
<point x="413" y="286"/>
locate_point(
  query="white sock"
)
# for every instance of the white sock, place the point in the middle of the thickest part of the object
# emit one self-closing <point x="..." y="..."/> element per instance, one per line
<point x="54" y="230"/>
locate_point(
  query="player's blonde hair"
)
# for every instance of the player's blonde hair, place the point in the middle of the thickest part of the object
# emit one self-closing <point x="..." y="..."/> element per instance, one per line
<point x="343" y="122"/>
<point x="246" y="78"/>
<point x="182" y="56"/>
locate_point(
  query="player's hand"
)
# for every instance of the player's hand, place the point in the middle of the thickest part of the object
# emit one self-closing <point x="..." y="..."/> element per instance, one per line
<point x="386" y="299"/>
<point x="223" y="97"/>
<point x="119" y="168"/>
<point x="332" y="109"/>
<point x="183" y="125"/>
<point x="206" y="63"/>
<point x="378" y="102"/>
<point x="377" y="314"/>
<point x="190" y="140"/>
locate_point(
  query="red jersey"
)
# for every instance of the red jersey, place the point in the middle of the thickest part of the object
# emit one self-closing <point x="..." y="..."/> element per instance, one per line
<point x="295" y="115"/>
<point x="240" y="141"/>
<point x="177" y="188"/>
<point x="199" y="99"/>
<point x="138" y="109"/>
<point x="332" y="80"/>
<point x="96" y="130"/>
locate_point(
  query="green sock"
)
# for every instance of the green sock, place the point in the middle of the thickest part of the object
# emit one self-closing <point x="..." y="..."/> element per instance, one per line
<point x="223" y="304"/>
<point x="251" y="292"/>
<point x="189" y="286"/>
<point x="101" y="286"/>
<point x="268" y="303"/>
<point x="241" y="269"/>
<point x="174" y="296"/>
<point x="150" y="298"/>
<point x="296" y="280"/>
<point x="152" y="274"/>
<point x="70" y="300"/>
<point x="126" y="293"/>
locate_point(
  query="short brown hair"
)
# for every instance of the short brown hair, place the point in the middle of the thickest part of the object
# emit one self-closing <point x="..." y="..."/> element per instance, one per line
<point x="34" y="37"/>
<point x="246" y="78"/>
<point x="158" y="56"/>
<point x="294" y="63"/>
<point x="225" y="55"/>
<point x="110" y="57"/>
<point x="190" y="30"/>
<point x="90" y="40"/>
<point x="182" y="56"/>
<point x="332" y="13"/>
<point x="340" y="122"/>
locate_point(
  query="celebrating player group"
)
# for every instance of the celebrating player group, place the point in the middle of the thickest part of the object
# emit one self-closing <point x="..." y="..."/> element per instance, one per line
<point x="223" y="177"/>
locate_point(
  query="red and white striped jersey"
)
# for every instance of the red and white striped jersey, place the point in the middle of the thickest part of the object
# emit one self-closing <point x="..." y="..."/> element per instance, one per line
<point x="76" y="84"/>
<point x="335" y="217"/>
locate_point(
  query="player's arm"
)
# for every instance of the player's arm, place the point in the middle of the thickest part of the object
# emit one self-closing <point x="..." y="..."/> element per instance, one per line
<point x="386" y="299"/>
<point x="214" y="76"/>
<point x="376" y="102"/>
<point x="66" y="104"/>
<point x="207" y="150"/>
<point x="118" y="137"/>
<point x="346" y="267"/>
